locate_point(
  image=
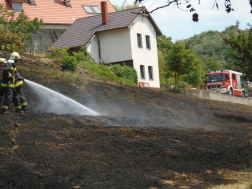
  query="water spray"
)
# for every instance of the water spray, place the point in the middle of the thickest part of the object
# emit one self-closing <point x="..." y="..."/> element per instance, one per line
<point x="54" y="102"/>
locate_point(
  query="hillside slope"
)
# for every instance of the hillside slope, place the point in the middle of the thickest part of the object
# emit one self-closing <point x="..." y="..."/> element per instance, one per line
<point x="141" y="139"/>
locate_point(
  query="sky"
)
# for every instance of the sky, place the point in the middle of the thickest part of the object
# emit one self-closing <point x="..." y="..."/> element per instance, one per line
<point x="178" y="24"/>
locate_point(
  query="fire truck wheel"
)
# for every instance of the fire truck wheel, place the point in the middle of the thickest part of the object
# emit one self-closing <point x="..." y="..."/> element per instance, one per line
<point x="243" y="94"/>
<point x="230" y="92"/>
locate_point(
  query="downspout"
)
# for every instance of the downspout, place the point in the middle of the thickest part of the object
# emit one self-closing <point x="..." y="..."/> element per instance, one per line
<point x="99" y="48"/>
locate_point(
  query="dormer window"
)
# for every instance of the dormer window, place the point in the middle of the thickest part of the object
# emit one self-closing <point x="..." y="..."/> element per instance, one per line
<point x="88" y="9"/>
<point x="17" y="7"/>
<point x="96" y="9"/>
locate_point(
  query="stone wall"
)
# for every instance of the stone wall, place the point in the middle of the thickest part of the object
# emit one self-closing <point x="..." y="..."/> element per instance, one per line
<point x="217" y="96"/>
<point x="44" y="39"/>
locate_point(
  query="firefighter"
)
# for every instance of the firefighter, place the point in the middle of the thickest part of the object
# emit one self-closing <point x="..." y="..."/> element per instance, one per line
<point x="2" y="89"/>
<point x="19" y="91"/>
<point x="19" y="82"/>
<point x="9" y="82"/>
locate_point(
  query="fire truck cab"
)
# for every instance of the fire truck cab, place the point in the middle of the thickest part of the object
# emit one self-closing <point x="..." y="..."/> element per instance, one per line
<point x="227" y="81"/>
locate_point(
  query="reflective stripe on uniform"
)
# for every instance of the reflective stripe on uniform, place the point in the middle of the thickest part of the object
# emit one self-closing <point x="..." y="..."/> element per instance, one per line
<point x="6" y="85"/>
<point x="4" y="107"/>
<point x="9" y="76"/>
<point x="24" y="104"/>
<point x="14" y="69"/>
<point x="19" y="83"/>
<point x="18" y="107"/>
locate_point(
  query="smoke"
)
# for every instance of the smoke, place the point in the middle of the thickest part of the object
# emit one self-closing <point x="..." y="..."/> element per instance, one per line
<point x="54" y="102"/>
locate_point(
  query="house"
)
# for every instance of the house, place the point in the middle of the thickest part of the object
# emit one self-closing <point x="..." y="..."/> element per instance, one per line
<point x="127" y="36"/>
<point x="57" y="15"/>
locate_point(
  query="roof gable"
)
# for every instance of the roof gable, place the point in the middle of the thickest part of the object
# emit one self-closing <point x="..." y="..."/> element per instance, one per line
<point x="83" y="29"/>
<point x="56" y="12"/>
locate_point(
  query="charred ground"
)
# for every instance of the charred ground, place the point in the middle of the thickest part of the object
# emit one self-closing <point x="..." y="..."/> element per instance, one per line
<point x="142" y="139"/>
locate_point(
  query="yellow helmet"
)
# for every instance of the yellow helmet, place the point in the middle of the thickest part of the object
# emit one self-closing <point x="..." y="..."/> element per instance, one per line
<point x="3" y="60"/>
<point x="15" y="56"/>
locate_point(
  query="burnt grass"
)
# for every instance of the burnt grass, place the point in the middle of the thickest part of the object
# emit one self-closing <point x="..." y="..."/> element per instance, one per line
<point x="142" y="139"/>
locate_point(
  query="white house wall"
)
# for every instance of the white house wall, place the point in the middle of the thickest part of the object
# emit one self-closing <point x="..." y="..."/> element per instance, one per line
<point x="115" y="45"/>
<point x="121" y="45"/>
<point x="144" y="56"/>
<point x="93" y="49"/>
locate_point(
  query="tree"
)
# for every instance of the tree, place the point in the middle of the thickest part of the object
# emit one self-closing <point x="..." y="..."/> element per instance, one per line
<point x="164" y="44"/>
<point x="5" y="15"/>
<point x="178" y="3"/>
<point x="210" y="64"/>
<point x="240" y="51"/>
<point x="17" y="30"/>
<point x="127" y="6"/>
<point x="195" y="77"/>
<point x="25" y="27"/>
<point x="180" y="60"/>
<point x="177" y="59"/>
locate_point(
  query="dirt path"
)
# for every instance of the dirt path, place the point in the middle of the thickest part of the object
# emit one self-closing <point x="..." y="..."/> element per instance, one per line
<point x="142" y="139"/>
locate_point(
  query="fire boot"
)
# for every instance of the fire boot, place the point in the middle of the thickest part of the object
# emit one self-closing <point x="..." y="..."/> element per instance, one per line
<point x="23" y="108"/>
<point x="4" y="111"/>
<point x="18" y="109"/>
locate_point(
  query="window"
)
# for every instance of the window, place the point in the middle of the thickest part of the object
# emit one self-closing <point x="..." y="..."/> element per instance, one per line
<point x="150" y="69"/>
<point x="227" y="78"/>
<point x="148" y="46"/>
<point x="139" y="40"/>
<point x="142" y="71"/>
<point x="96" y="9"/>
<point x="233" y="76"/>
<point x="17" y="7"/>
<point x="88" y="9"/>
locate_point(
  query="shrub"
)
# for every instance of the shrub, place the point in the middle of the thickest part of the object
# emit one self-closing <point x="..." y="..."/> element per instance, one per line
<point x="250" y="91"/>
<point x="126" y="72"/>
<point x="83" y="55"/>
<point x="104" y="73"/>
<point x="58" y="53"/>
<point x="69" y="63"/>
<point x="182" y="84"/>
<point x="175" y="90"/>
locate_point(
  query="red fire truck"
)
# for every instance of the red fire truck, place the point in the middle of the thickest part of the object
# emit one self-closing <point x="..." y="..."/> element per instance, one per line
<point x="227" y="81"/>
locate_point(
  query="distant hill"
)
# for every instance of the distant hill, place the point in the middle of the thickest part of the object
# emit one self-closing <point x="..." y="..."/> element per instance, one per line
<point x="209" y="46"/>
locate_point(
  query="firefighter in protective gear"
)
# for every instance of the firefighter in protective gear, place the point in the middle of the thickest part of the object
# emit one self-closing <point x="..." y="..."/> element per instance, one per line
<point x="19" y="91"/>
<point x="19" y="82"/>
<point x="2" y="89"/>
<point x="9" y="81"/>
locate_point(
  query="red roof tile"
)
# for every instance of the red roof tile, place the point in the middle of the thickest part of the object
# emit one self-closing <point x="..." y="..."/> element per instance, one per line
<point x="56" y="12"/>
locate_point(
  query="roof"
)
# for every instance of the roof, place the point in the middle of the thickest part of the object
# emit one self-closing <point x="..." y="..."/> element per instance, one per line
<point x="56" y="12"/>
<point x="83" y="29"/>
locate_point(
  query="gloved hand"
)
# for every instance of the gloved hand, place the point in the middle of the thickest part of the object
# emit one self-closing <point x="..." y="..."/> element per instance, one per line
<point x="21" y="78"/>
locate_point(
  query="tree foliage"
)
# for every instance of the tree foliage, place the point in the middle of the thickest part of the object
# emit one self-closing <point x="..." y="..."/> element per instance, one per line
<point x="23" y="25"/>
<point x="178" y="3"/>
<point x="212" y="51"/>
<point x="19" y="30"/>
<point x="177" y="59"/>
<point x="126" y="6"/>
<point x="240" y="52"/>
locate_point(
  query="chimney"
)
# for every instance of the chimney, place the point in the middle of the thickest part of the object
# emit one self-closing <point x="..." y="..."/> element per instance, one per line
<point x="104" y="11"/>
<point x="67" y="3"/>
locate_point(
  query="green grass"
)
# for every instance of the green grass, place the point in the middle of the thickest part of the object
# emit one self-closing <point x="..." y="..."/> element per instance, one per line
<point x="103" y="73"/>
<point x="85" y="71"/>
